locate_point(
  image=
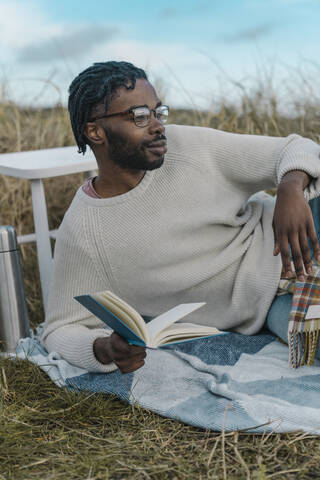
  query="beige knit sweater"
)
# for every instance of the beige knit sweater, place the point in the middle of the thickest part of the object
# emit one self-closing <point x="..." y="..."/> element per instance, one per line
<point x="198" y="229"/>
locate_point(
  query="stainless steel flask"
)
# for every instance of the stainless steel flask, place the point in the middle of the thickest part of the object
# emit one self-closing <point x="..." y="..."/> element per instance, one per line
<point x="14" y="320"/>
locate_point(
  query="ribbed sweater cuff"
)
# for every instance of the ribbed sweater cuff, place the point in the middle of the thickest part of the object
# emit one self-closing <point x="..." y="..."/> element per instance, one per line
<point x="75" y="344"/>
<point x="89" y="357"/>
<point x="309" y="162"/>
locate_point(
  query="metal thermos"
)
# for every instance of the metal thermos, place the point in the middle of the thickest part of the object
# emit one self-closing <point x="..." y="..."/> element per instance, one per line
<point x="14" y="320"/>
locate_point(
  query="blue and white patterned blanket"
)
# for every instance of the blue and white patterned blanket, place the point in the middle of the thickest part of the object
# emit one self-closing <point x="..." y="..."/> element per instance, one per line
<point x="230" y="382"/>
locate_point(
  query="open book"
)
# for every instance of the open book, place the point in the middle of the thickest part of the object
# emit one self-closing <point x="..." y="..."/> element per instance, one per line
<point x="160" y="331"/>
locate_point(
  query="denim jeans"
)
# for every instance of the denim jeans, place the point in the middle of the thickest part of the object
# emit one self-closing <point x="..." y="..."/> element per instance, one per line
<point x="278" y="314"/>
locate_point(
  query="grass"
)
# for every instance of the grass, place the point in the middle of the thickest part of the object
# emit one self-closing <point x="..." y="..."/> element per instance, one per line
<point x="50" y="433"/>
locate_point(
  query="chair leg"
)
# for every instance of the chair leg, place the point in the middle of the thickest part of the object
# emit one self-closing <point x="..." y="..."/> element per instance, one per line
<point x="42" y="236"/>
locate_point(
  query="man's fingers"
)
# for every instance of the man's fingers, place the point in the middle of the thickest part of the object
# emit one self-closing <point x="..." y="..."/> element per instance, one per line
<point x="127" y="357"/>
<point x="136" y="349"/>
<point x="306" y="252"/>
<point x="126" y="367"/>
<point x="276" y="249"/>
<point x="297" y="256"/>
<point x="285" y="257"/>
<point x="137" y="356"/>
<point x="122" y="347"/>
<point x="130" y="357"/>
<point x="314" y="241"/>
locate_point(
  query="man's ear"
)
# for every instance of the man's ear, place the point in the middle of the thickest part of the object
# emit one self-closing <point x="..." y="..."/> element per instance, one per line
<point x="94" y="133"/>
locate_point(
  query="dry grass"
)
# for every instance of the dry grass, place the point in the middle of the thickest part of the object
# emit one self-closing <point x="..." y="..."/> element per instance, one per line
<point x="50" y="433"/>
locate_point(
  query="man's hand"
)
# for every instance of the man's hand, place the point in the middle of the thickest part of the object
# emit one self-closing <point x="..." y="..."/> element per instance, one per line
<point x="116" y="349"/>
<point x="293" y="224"/>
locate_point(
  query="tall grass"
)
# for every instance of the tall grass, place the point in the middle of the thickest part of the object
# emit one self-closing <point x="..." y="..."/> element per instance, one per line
<point x="49" y="433"/>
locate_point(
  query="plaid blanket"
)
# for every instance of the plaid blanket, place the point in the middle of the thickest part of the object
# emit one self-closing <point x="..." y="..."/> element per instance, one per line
<point x="228" y="382"/>
<point x="303" y="333"/>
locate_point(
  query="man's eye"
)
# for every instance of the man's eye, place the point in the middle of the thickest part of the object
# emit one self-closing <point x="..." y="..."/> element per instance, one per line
<point x="142" y="119"/>
<point x="142" y="116"/>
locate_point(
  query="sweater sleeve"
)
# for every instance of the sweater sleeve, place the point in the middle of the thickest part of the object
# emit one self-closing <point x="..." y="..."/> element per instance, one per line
<point x="260" y="162"/>
<point x="70" y="329"/>
<point x="75" y="344"/>
<point x="250" y="163"/>
<point x="301" y="154"/>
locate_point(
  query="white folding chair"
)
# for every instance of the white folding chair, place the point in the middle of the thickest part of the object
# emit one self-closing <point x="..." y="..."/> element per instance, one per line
<point x="36" y="165"/>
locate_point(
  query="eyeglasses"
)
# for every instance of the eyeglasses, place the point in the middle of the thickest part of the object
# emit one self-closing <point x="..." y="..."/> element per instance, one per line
<point x="141" y="114"/>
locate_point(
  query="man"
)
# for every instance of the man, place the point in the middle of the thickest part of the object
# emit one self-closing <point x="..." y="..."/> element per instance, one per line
<point x="175" y="215"/>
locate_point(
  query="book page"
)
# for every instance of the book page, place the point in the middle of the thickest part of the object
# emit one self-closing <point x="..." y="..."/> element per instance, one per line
<point x="170" y="317"/>
<point x="183" y="331"/>
<point x="124" y="311"/>
<point x="110" y="319"/>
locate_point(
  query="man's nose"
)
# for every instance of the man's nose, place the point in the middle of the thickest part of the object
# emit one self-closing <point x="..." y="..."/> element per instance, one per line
<point x="155" y="125"/>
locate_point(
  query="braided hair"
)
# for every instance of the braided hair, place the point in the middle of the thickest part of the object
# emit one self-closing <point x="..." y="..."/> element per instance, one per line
<point x="94" y="85"/>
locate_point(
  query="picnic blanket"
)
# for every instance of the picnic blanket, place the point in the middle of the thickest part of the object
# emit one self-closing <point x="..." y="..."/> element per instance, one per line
<point x="229" y="382"/>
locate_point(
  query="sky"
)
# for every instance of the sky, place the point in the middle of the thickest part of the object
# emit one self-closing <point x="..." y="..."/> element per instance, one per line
<point x="194" y="51"/>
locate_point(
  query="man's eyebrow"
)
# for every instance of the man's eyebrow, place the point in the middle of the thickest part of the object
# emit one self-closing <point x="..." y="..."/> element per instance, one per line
<point x="145" y="105"/>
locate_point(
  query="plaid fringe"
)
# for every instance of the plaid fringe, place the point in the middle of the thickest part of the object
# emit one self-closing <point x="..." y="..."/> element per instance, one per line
<point x="303" y="334"/>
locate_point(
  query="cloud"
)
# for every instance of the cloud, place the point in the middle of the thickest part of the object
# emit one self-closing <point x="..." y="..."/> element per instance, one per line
<point x="169" y="12"/>
<point x="22" y="23"/>
<point x="248" y="35"/>
<point x="67" y="44"/>
<point x="179" y="67"/>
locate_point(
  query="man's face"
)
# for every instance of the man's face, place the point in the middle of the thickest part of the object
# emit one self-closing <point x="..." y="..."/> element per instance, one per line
<point x="131" y="147"/>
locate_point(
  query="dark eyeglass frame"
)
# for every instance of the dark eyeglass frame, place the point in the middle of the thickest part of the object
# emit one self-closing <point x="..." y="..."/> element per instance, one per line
<point x="132" y="111"/>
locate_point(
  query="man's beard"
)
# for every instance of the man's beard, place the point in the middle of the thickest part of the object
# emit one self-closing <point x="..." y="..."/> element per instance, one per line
<point x="130" y="157"/>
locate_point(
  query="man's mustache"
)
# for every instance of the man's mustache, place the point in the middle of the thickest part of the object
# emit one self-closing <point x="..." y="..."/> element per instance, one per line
<point x="162" y="140"/>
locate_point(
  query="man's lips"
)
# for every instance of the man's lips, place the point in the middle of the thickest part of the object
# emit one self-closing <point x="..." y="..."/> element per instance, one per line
<point x="158" y="146"/>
